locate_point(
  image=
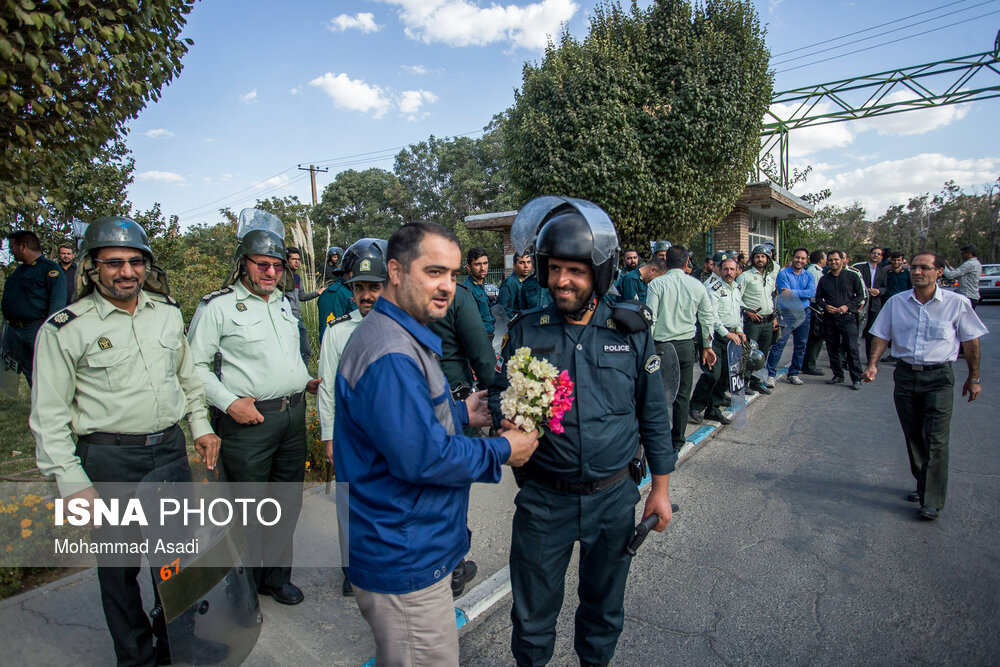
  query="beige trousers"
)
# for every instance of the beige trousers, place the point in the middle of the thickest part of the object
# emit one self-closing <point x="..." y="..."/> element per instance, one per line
<point x="413" y="629"/>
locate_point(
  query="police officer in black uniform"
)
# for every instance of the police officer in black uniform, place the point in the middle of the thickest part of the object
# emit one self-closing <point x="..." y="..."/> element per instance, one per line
<point x="35" y="290"/>
<point x="578" y="486"/>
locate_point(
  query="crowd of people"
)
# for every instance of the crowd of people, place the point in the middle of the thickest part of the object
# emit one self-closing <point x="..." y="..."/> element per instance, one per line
<point x="408" y="397"/>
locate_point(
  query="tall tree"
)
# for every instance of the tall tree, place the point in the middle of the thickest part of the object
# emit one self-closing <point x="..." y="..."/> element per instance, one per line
<point x="655" y="115"/>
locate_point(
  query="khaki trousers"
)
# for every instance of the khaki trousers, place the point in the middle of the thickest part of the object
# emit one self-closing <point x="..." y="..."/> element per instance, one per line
<point x="412" y="629"/>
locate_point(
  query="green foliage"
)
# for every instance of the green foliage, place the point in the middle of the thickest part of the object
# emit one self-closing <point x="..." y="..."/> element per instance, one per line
<point x="71" y="75"/>
<point x="654" y="116"/>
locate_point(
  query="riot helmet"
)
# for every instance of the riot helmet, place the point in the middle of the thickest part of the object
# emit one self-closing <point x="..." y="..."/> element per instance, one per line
<point x="361" y="249"/>
<point x="580" y="231"/>
<point x="659" y="246"/>
<point x="260" y="233"/>
<point x="115" y="231"/>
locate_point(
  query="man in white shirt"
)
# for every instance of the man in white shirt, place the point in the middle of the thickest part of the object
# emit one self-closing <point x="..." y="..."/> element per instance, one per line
<point x="926" y="326"/>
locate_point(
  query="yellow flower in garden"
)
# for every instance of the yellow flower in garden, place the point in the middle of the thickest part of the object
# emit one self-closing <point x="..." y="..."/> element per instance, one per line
<point x="31" y="499"/>
<point x="25" y="533"/>
<point x="49" y="506"/>
<point x="307" y="465"/>
<point x="9" y="548"/>
<point x="25" y="523"/>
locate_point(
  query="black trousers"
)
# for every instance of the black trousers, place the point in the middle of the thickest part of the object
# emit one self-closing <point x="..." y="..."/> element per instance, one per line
<point x="272" y="451"/>
<point x="760" y="332"/>
<point x="924" y="401"/>
<point x="121" y="598"/>
<point x="546" y="525"/>
<point x="685" y="350"/>
<point x="814" y="345"/>
<point x="842" y="339"/>
<point x="713" y="385"/>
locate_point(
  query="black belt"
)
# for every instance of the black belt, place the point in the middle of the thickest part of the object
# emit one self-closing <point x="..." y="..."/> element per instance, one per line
<point x="767" y="318"/>
<point x="922" y="367"/>
<point x="129" y="439"/>
<point x="19" y="324"/>
<point x="545" y="478"/>
<point x="280" y="404"/>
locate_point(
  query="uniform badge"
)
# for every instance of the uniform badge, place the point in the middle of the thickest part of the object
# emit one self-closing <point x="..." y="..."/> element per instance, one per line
<point x="61" y="318"/>
<point x="104" y="343"/>
<point x="240" y="306"/>
<point x="611" y="325"/>
<point x="330" y="318"/>
<point x="648" y="314"/>
<point x="717" y="286"/>
<point x="503" y="343"/>
<point x="365" y="266"/>
<point x="544" y="319"/>
<point x="723" y="293"/>
<point x="53" y="273"/>
<point x="652" y="364"/>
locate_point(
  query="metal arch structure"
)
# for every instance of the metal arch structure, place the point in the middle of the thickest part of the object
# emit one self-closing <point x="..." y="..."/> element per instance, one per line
<point x="937" y="84"/>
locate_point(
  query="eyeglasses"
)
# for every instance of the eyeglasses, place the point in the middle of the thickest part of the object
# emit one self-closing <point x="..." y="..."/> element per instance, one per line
<point x="923" y="267"/>
<point x="117" y="264"/>
<point x="264" y="266"/>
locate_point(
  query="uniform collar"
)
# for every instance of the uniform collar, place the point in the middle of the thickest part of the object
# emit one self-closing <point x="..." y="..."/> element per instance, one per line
<point x="552" y="315"/>
<point x="105" y="307"/>
<point x="408" y="322"/>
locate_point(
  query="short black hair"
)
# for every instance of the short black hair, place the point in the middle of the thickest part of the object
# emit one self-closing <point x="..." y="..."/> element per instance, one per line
<point x="677" y="257"/>
<point x="969" y="248"/>
<point x="628" y="250"/>
<point x="840" y="253"/>
<point x="938" y="259"/>
<point x="292" y="250"/>
<point x="658" y="263"/>
<point x="895" y="254"/>
<point x="26" y="238"/>
<point x="797" y="250"/>
<point x="68" y="246"/>
<point x="815" y="256"/>
<point x="518" y="256"/>
<point x="874" y="248"/>
<point x="474" y="254"/>
<point x="404" y="244"/>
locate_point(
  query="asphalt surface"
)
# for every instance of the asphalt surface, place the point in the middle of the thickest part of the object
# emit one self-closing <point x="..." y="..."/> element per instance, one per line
<point x="795" y="544"/>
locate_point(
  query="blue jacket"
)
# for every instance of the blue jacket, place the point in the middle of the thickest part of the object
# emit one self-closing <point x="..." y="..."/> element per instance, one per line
<point x="399" y="445"/>
<point x="803" y="285"/>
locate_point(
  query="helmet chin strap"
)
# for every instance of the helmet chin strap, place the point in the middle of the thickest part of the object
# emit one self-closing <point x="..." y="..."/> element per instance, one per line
<point x="591" y="305"/>
<point x="94" y="275"/>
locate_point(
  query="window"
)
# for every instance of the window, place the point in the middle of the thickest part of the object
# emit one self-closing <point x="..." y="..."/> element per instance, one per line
<point x="761" y="230"/>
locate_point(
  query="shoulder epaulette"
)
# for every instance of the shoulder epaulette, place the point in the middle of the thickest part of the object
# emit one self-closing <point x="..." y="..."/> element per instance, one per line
<point x="530" y="311"/>
<point x="62" y="318"/>
<point x="632" y="316"/>
<point x="219" y="292"/>
<point x="463" y="286"/>
<point x="716" y="285"/>
<point x="163" y="298"/>
<point x="337" y="320"/>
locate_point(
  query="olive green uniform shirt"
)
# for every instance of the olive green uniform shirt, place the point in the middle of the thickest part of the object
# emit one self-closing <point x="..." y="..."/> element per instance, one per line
<point x="259" y="342"/>
<point x="680" y="303"/>
<point x="335" y="338"/>
<point x="728" y="303"/>
<point x="758" y="290"/>
<point x="100" y="369"/>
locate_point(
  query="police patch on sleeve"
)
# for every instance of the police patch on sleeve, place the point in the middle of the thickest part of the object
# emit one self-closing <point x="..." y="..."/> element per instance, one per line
<point x="53" y="273"/>
<point x="652" y="364"/>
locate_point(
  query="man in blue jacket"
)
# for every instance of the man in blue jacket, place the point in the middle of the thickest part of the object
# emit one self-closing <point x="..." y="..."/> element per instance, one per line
<point x="793" y="281"/>
<point x="401" y="449"/>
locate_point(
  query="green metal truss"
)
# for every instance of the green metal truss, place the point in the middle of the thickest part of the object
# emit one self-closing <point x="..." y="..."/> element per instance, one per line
<point x="952" y="81"/>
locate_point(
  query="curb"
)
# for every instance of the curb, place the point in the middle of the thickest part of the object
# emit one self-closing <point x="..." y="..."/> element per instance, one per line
<point x="487" y="593"/>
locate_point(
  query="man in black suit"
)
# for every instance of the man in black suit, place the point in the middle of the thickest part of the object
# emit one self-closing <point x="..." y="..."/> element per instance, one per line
<point x="873" y="275"/>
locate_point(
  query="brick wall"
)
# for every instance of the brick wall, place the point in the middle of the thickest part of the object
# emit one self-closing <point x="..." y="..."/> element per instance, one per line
<point x="733" y="232"/>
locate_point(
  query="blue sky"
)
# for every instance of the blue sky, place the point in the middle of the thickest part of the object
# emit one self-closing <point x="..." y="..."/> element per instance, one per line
<point x="268" y="86"/>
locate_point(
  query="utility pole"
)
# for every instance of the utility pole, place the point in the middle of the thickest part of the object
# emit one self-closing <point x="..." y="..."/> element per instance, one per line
<point x="312" y="177"/>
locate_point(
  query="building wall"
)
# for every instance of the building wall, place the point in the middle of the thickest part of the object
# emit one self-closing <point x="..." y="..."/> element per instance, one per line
<point x="733" y="232"/>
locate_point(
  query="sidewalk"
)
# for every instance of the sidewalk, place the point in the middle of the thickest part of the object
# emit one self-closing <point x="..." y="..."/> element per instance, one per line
<point x="63" y="622"/>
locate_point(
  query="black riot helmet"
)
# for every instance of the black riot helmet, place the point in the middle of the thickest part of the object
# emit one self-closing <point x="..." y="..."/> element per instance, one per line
<point x="659" y="246"/>
<point x="580" y="231"/>
<point x="261" y="242"/>
<point x="367" y="248"/>
<point x="115" y="231"/>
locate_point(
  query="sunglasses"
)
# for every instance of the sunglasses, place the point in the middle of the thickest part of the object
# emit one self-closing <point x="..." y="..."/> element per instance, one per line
<point x="264" y="266"/>
<point x="117" y="264"/>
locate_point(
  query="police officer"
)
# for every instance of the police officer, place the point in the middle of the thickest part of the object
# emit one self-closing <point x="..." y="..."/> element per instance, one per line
<point x="329" y="271"/>
<point x="467" y="358"/>
<point x="512" y="285"/>
<point x="258" y="391"/>
<point x="116" y="373"/>
<point x="337" y="300"/>
<point x="681" y="308"/>
<point x="35" y="290"/>
<point x="478" y="264"/>
<point x="68" y="266"/>
<point x="632" y="285"/>
<point x="577" y="485"/>
<point x="758" y="283"/>
<point x="659" y="249"/>
<point x="726" y="294"/>
<point x="532" y="294"/>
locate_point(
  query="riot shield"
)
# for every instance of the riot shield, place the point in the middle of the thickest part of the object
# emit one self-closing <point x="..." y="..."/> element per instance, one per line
<point x="670" y="370"/>
<point x="736" y="385"/>
<point x="206" y="595"/>
<point x="790" y="313"/>
<point x="9" y="366"/>
<point x="254" y="218"/>
<point x="500" y="326"/>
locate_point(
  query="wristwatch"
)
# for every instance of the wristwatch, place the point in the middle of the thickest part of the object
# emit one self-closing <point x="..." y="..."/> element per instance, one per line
<point x="975" y="380"/>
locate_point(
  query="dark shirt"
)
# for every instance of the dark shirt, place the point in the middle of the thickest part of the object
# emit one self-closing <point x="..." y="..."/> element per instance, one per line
<point x="896" y="282"/>
<point x="843" y="290"/>
<point x="34" y="291"/>
<point x="619" y="397"/>
<point x="532" y="295"/>
<point x="508" y="294"/>
<point x="465" y="349"/>
<point x="483" y="301"/>
<point x="336" y="301"/>
<point x="632" y="286"/>
<point x="70" y="272"/>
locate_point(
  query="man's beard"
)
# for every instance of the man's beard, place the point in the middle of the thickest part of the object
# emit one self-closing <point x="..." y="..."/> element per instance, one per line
<point x="123" y="294"/>
<point x="572" y="305"/>
<point x="257" y="288"/>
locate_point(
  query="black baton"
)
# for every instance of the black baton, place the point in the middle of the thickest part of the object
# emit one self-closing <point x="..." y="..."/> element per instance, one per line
<point x="641" y="531"/>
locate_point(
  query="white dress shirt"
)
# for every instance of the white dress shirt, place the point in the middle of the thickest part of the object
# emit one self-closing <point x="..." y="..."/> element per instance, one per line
<point x="927" y="333"/>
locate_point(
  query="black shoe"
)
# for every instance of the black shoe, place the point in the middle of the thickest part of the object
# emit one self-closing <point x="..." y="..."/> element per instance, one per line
<point x="726" y="402"/>
<point x="756" y="386"/>
<point x="463" y="574"/>
<point x="856" y="385"/>
<point x="747" y="392"/>
<point x="927" y="512"/>
<point x="717" y="415"/>
<point x="346" y="589"/>
<point x="835" y="380"/>
<point x="194" y="650"/>
<point x="812" y="371"/>
<point x="695" y="417"/>
<point x="285" y="593"/>
<point x="913" y="497"/>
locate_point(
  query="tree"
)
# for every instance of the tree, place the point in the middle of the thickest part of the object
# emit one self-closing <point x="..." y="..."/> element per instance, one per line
<point x="655" y="116"/>
<point x="71" y="75"/>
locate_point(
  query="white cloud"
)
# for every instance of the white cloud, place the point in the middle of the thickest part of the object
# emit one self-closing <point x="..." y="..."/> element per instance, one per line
<point x="162" y="176"/>
<point x="363" y="21"/>
<point x="274" y="182"/>
<point x="296" y="90"/>
<point x="878" y="186"/>
<point x="411" y="101"/>
<point x="919" y="122"/>
<point x="466" y="23"/>
<point x="208" y="140"/>
<point x="227" y="177"/>
<point x="250" y="97"/>
<point x="354" y="94"/>
<point x="419" y="70"/>
<point x="773" y="5"/>
<point x="158" y="132"/>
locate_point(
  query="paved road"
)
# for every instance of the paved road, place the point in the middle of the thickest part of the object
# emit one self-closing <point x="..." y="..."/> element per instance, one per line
<point x="795" y="544"/>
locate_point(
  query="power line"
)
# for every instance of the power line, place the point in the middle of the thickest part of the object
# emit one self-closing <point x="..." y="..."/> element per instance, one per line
<point x="229" y="201"/>
<point x="858" y="32"/>
<point x="925" y="32"/>
<point x="252" y="185"/>
<point x="876" y="36"/>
